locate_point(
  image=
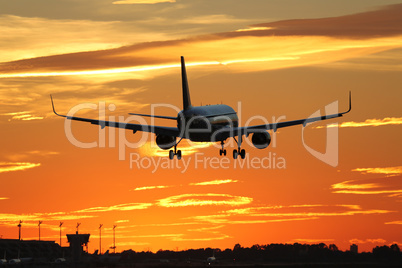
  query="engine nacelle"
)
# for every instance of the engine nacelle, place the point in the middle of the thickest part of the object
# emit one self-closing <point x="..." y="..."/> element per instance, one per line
<point x="165" y="142"/>
<point x="261" y="140"/>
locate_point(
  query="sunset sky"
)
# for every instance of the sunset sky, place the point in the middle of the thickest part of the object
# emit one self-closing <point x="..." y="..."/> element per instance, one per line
<point x="274" y="59"/>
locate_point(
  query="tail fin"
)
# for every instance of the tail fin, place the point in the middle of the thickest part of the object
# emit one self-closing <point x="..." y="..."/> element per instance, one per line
<point x="186" y="93"/>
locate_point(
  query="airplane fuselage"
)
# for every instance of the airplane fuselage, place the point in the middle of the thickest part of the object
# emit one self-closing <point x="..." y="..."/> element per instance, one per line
<point x="202" y="123"/>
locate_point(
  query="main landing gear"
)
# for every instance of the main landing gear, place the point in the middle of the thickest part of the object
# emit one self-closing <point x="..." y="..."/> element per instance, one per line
<point x="175" y="152"/>
<point x="240" y="152"/>
<point x="236" y="153"/>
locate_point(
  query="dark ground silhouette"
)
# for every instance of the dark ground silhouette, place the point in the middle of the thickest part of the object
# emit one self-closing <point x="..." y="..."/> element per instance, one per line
<point x="39" y="254"/>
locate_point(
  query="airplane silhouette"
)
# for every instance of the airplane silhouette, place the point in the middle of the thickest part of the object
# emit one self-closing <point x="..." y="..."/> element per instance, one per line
<point x="211" y="123"/>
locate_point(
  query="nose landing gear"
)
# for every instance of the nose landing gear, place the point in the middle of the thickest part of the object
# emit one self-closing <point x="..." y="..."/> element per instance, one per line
<point x="222" y="151"/>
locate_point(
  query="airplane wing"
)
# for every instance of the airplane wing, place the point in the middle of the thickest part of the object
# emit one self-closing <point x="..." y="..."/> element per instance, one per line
<point x="170" y="131"/>
<point x="274" y="126"/>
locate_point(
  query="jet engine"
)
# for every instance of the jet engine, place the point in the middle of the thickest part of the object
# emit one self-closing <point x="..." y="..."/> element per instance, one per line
<point x="261" y="140"/>
<point x="165" y="142"/>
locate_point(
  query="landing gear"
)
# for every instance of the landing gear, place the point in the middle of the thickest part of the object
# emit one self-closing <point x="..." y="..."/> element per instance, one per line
<point x="243" y="154"/>
<point x="240" y="151"/>
<point x="175" y="152"/>
<point x="222" y="151"/>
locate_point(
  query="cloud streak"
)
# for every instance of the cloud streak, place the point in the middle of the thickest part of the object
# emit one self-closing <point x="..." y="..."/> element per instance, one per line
<point x="364" y="241"/>
<point x="10" y="219"/>
<point x="258" y="215"/>
<point x="30" y="36"/>
<point x="16" y="166"/>
<point x="391" y="186"/>
<point x="361" y="25"/>
<point x="205" y="183"/>
<point x="214" y="182"/>
<point x="368" y="123"/>
<point x="380" y="170"/>
<point x="151" y="187"/>
<point x="278" y="45"/>
<point x="24" y="116"/>
<point x="120" y="207"/>
<point x="208" y="199"/>
<point x="394" y="222"/>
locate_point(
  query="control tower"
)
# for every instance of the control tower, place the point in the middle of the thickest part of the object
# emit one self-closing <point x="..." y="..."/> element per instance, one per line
<point x="77" y="241"/>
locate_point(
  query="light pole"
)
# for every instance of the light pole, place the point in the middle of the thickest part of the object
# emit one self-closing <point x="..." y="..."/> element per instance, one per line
<point x="40" y="222"/>
<point x="100" y="239"/>
<point x="114" y="239"/>
<point x="19" y="230"/>
<point x="61" y="223"/>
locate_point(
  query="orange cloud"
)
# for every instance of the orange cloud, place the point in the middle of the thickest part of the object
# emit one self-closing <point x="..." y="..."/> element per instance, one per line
<point x="69" y="36"/>
<point x="374" y="241"/>
<point x="185" y="200"/>
<point x="150" y="187"/>
<point x="368" y="123"/>
<point x="266" y="47"/>
<point x="362" y="25"/>
<point x="28" y="219"/>
<point x="388" y="185"/>
<point x="18" y="157"/>
<point x="32" y="219"/>
<point x="120" y="207"/>
<point x="394" y="222"/>
<point x="254" y="29"/>
<point x="259" y="53"/>
<point x="217" y="237"/>
<point x="24" y="116"/>
<point x="214" y="182"/>
<point x="284" y="213"/>
<point x="386" y="170"/>
<point x="16" y="166"/>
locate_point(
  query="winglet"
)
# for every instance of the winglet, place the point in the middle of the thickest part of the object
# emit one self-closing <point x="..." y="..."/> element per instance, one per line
<point x="186" y="93"/>
<point x="350" y="103"/>
<point x="51" y="98"/>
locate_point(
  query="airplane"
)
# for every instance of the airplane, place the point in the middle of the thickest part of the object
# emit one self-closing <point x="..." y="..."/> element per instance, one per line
<point x="210" y="123"/>
<point x="4" y="260"/>
<point x="212" y="259"/>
